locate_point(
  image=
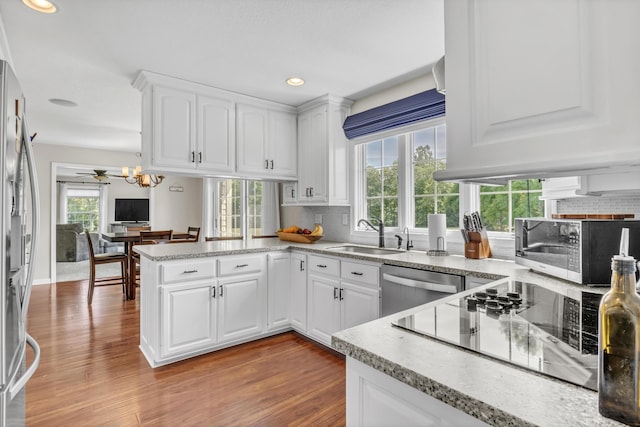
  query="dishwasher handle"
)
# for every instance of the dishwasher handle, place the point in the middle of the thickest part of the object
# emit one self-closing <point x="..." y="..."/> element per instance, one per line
<point x="430" y="286"/>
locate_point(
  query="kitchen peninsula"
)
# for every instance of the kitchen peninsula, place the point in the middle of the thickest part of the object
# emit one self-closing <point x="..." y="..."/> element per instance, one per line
<point x="466" y="383"/>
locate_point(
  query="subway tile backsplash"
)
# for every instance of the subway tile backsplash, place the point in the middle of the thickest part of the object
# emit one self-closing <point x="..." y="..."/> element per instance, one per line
<point x="600" y="205"/>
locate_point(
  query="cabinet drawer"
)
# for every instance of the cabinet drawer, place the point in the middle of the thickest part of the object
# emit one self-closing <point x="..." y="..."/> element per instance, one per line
<point x="184" y="271"/>
<point x="356" y="272"/>
<point x="240" y="265"/>
<point x="324" y="265"/>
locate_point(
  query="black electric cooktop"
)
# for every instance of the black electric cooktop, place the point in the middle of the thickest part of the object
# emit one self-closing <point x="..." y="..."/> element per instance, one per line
<point x="524" y="324"/>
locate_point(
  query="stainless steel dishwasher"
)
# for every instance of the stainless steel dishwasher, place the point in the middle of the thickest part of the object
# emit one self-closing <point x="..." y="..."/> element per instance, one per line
<point x="404" y="288"/>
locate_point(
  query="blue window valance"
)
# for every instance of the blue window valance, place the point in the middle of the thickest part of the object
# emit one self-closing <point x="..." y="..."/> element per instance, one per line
<point x="415" y="108"/>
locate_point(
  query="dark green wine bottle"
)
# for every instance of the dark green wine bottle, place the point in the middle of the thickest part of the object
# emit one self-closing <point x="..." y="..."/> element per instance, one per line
<point x="619" y="345"/>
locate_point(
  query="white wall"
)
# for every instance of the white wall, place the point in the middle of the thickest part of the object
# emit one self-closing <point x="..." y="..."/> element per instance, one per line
<point x="177" y="210"/>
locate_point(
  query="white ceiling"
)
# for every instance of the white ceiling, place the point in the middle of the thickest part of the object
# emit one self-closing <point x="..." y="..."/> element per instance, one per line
<point x="90" y="51"/>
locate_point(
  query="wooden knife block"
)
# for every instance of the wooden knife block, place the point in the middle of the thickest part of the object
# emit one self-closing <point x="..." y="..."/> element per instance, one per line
<point x="478" y="246"/>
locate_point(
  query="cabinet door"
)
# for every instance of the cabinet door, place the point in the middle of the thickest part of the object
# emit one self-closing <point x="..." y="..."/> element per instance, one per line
<point x="278" y="291"/>
<point x="187" y="318"/>
<point x="240" y="307"/>
<point x="324" y="308"/>
<point x="289" y="193"/>
<point x="521" y="101"/>
<point x="298" y="291"/>
<point x="252" y="140"/>
<point x="174" y="127"/>
<point x="359" y="304"/>
<point x="312" y="155"/>
<point x="216" y="135"/>
<point x="282" y="153"/>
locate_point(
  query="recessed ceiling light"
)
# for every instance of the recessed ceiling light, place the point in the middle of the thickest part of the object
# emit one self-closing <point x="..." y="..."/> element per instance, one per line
<point x="43" y="6"/>
<point x="63" y="102"/>
<point x="295" y="81"/>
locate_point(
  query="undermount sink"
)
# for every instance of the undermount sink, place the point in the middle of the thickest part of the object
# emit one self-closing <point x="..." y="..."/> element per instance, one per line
<point x="364" y="250"/>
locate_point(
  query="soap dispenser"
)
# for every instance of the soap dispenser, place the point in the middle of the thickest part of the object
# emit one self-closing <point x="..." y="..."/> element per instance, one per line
<point x="619" y="342"/>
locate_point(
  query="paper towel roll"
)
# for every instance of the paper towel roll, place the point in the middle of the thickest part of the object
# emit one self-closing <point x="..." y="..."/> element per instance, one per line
<point x="437" y="232"/>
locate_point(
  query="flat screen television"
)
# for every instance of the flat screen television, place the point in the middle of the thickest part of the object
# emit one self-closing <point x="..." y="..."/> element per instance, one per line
<point x="132" y="210"/>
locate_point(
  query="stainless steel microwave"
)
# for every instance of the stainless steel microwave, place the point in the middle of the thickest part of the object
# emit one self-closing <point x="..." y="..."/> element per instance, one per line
<point x="575" y="250"/>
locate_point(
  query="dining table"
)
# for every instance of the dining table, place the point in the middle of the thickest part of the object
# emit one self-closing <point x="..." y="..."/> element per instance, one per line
<point x="129" y="238"/>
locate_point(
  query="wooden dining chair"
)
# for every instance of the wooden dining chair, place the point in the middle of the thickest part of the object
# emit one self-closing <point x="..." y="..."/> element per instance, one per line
<point x="98" y="259"/>
<point x="148" y="235"/>
<point x="194" y="233"/>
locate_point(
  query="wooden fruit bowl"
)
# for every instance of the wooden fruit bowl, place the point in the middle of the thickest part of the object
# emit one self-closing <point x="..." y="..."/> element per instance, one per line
<point x="299" y="238"/>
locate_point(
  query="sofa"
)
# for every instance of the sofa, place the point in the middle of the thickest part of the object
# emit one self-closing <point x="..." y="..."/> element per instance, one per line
<point x="71" y="243"/>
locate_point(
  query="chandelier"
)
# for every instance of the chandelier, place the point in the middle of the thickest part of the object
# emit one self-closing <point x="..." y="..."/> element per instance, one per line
<point x="142" y="179"/>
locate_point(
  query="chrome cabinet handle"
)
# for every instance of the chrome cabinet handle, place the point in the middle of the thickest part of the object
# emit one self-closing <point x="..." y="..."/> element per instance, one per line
<point x="321" y="266"/>
<point x="271" y="164"/>
<point x="341" y="294"/>
<point x="301" y="265"/>
<point x="193" y="157"/>
<point x="221" y="291"/>
<point x="356" y="273"/>
<point x="310" y="191"/>
<point x="213" y="292"/>
<point x="266" y="164"/>
<point x="242" y="265"/>
<point x="189" y="271"/>
<point x="335" y="293"/>
<point x="199" y="156"/>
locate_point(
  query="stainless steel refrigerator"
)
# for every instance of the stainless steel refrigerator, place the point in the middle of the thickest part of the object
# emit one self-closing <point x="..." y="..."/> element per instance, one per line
<point x="17" y="249"/>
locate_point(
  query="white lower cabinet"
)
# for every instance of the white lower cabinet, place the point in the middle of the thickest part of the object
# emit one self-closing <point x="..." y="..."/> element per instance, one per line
<point x="188" y="316"/>
<point x="345" y="296"/>
<point x="278" y="307"/>
<point x="298" y="291"/>
<point x="240" y="307"/>
<point x="194" y="306"/>
<point x="324" y="308"/>
<point x="376" y="399"/>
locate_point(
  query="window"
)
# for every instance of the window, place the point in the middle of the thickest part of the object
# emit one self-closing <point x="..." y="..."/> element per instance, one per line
<point x="244" y="208"/>
<point x="394" y="178"/>
<point x="398" y="179"/>
<point x="500" y="205"/>
<point x="229" y="208"/>
<point x="382" y="180"/>
<point x="83" y="206"/>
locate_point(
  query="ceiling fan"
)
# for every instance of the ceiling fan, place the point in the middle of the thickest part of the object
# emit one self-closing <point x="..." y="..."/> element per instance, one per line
<point x="99" y="174"/>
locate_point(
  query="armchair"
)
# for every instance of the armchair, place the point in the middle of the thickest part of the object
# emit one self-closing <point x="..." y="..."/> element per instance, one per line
<point x="71" y="243"/>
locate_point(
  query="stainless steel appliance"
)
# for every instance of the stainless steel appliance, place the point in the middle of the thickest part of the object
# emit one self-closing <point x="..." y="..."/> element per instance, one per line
<point x="403" y="288"/>
<point x="550" y="331"/>
<point x="17" y="249"/>
<point x="576" y="250"/>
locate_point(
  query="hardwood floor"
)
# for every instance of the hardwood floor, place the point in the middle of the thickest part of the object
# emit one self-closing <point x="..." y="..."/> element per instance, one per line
<point x="92" y="372"/>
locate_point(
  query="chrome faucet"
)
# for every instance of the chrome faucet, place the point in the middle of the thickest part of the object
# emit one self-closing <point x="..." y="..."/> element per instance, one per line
<point x="380" y="229"/>
<point x="409" y="242"/>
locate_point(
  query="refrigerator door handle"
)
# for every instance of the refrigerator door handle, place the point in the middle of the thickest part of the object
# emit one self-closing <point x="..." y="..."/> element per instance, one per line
<point x="19" y="384"/>
<point x="35" y="219"/>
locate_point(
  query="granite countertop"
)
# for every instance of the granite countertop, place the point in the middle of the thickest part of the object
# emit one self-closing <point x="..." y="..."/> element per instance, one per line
<point x="495" y="392"/>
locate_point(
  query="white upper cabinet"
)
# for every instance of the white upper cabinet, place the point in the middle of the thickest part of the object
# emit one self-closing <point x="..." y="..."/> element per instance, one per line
<point x="216" y="135"/>
<point x="267" y="142"/>
<point x="541" y="88"/>
<point x="323" y="152"/>
<point x="192" y="129"/>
